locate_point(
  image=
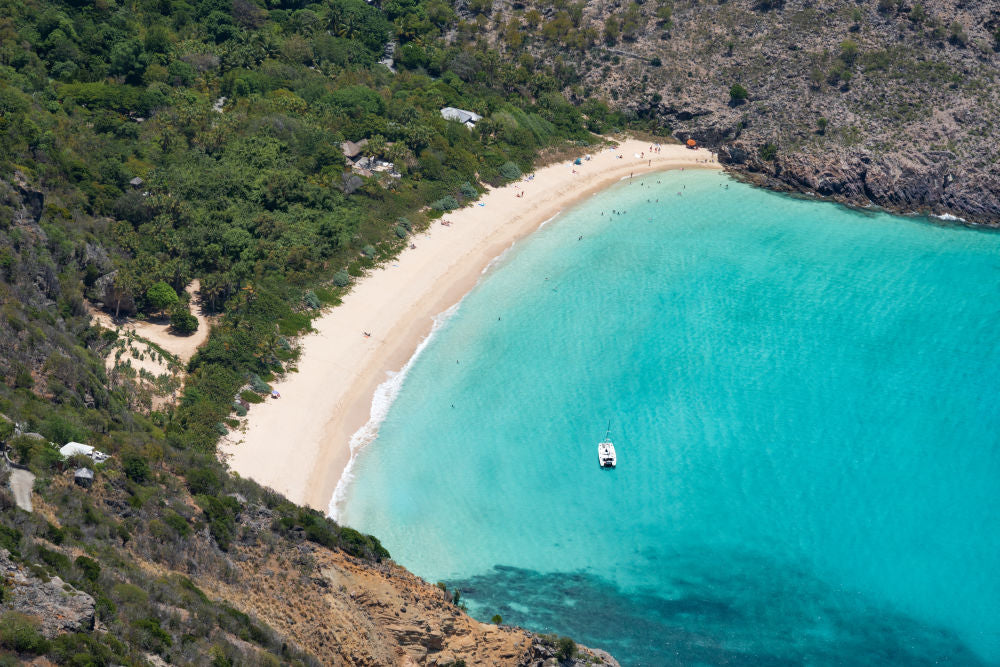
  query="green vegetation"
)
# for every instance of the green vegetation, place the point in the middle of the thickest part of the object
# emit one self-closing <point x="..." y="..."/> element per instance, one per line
<point x="161" y="296"/>
<point x="182" y="321"/>
<point x="565" y="648"/>
<point x="20" y="634"/>
<point x="147" y="145"/>
<point x="738" y="94"/>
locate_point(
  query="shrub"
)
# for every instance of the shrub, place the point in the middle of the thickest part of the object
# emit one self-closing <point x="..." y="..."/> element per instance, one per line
<point x="182" y="321"/>
<point x="401" y="231"/>
<point x="405" y="223"/>
<point x="294" y="324"/>
<point x="448" y="203"/>
<point x="510" y="171"/>
<point x="105" y="608"/>
<point x="738" y="94"/>
<point x="129" y="594"/>
<point x="88" y="567"/>
<point x="768" y="151"/>
<point x="83" y="650"/>
<point x="497" y="619"/>
<point x="368" y="251"/>
<point x="135" y="467"/>
<point x="251" y="396"/>
<point x="20" y="633"/>
<point x="154" y="638"/>
<point x="821" y="125"/>
<point x="239" y="410"/>
<point x="341" y="279"/>
<point x="161" y="296"/>
<point x="220" y="513"/>
<point x="177" y="522"/>
<point x="311" y="299"/>
<point x="259" y="385"/>
<point x="54" y="559"/>
<point x="656" y="62"/>
<point x="54" y="534"/>
<point x="10" y="539"/>
<point x="468" y="190"/>
<point x="203" y="480"/>
<point x="848" y="52"/>
<point x="565" y="648"/>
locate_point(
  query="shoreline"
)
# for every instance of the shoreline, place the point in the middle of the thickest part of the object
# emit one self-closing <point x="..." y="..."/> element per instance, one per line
<point x="301" y="444"/>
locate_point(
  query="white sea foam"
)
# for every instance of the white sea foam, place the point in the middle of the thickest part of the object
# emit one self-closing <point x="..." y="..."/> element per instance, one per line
<point x="550" y="219"/>
<point x="497" y="259"/>
<point x="949" y="217"/>
<point x="385" y="395"/>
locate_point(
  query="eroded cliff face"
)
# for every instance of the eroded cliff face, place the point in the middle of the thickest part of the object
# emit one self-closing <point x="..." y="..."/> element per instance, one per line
<point x="349" y="612"/>
<point x="176" y="596"/>
<point x="931" y="182"/>
<point x="889" y="102"/>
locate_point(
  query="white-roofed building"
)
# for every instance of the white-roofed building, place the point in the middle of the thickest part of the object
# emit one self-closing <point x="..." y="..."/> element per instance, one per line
<point x="74" y="448"/>
<point x="467" y="118"/>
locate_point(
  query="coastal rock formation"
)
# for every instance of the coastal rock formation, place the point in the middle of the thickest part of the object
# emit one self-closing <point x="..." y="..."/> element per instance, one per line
<point x="916" y="182"/>
<point x="867" y="102"/>
<point x="58" y="606"/>
<point x="347" y="611"/>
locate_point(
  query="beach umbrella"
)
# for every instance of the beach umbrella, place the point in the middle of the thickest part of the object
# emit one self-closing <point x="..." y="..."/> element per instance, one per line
<point x="692" y="143"/>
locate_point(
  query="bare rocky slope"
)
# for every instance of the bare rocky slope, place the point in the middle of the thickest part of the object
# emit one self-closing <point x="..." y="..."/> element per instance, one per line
<point x="872" y="101"/>
<point x="310" y="603"/>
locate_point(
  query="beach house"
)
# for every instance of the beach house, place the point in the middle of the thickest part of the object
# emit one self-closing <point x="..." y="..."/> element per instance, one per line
<point x="74" y="448"/>
<point x="467" y="118"/>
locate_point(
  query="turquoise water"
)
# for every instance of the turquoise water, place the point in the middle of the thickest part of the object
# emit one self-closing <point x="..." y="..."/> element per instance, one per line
<point x="804" y="403"/>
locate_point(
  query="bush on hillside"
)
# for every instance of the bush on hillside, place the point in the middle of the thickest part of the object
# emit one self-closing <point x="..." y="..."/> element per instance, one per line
<point x="565" y="648"/>
<point x="510" y="171"/>
<point x="20" y="633"/>
<point x="448" y="203"/>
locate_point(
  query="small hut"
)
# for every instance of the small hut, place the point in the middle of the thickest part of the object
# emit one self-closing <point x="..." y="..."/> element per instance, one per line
<point x="84" y="477"/>
<point x="692" y="144"/>
<point x="136" y="182"/>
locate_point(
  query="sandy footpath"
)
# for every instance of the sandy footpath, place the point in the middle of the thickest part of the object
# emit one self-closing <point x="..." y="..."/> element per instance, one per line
<point x="299" y="444"/>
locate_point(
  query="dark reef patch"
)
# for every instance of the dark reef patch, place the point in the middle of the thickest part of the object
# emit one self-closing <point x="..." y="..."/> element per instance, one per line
<point x="733" y="612"/>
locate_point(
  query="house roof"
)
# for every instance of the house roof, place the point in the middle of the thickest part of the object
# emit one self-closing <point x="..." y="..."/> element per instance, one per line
<point x="85" y="473"/>
<point x="461" y="115"/>
<point x="74" y="448"/>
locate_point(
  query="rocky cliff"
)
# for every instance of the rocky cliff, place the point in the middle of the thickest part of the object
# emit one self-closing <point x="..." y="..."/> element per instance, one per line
<point x="57" y="606"/>
<point x="890" y="102"/>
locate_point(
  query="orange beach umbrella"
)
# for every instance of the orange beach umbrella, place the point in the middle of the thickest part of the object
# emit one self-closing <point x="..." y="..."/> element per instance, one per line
<point x="692" y="142"/>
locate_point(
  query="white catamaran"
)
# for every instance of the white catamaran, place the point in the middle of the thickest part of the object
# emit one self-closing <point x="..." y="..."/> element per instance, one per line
<point x="606" y="455"/>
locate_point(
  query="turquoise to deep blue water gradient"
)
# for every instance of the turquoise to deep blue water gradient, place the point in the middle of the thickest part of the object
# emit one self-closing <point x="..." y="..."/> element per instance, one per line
<point x="804" y="400"/>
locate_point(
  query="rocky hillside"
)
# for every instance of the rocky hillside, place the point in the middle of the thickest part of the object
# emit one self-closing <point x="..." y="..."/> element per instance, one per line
<point x="134" y="572"/>
<point x="887" y="101"/>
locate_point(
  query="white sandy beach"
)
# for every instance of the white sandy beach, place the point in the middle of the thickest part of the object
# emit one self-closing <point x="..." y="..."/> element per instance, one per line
<point x="299" y="444"/>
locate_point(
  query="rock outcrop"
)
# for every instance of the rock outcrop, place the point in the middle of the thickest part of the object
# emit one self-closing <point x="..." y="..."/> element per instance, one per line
<point x="347" y="611"/>
<point x="907" y="183"/>
<point x="865" y="101"/>
<point x="58" y="606"/>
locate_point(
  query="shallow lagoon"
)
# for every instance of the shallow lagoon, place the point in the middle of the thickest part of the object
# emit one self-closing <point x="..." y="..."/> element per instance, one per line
<point x="803" y="398"/>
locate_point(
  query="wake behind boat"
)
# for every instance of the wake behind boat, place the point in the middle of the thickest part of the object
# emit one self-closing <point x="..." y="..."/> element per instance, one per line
<point x="606" y="454"/>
